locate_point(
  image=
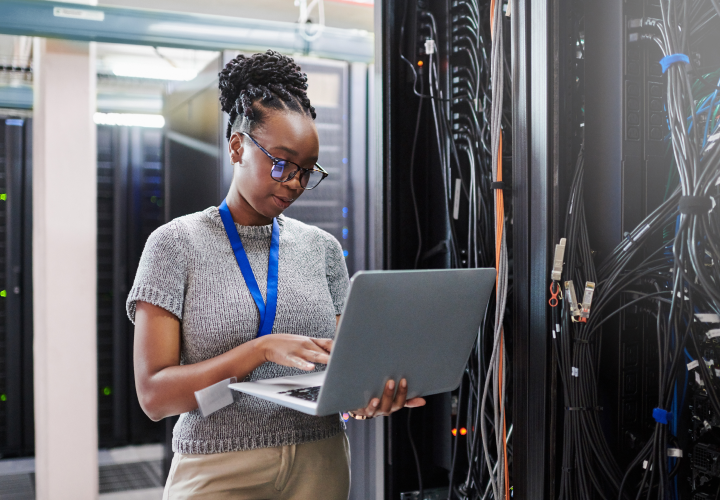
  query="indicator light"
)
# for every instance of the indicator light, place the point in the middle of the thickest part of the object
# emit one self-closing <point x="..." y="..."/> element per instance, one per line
<point x="454" y="432"/>
<point x="3" y="197"/>
<point x="463" y="431"/>
<point x="3" y="397"/>
<point x="345" y="417"/>
<point x="420" y="64"/>
<point x="107" y="391"/>
<point x="3" y="294"/>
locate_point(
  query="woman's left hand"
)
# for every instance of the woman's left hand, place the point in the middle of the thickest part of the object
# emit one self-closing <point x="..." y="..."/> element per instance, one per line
<point x="390" y="402"/>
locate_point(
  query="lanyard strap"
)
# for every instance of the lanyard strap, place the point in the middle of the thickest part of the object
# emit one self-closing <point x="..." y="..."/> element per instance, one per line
<point x="267" y="313"/>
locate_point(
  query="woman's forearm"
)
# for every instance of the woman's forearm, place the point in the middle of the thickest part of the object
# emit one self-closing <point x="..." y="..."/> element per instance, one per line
<point x="171" y="390"/>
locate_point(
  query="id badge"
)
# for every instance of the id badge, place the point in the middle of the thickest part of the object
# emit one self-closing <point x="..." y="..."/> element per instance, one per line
<point x="215" y="397"/>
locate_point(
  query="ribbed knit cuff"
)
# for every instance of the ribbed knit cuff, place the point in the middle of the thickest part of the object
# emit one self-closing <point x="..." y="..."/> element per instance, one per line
<point x="155" y="297"/>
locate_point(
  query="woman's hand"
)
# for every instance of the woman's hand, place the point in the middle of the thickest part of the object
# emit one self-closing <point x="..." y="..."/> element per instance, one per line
<point x="295" y="350"/>
<point x="389" y="404"/>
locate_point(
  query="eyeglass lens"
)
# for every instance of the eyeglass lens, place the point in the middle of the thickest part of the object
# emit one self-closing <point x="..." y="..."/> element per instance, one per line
<point x="283" y="170"/>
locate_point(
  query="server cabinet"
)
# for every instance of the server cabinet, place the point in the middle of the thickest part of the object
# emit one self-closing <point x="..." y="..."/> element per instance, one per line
<point x="130" y="207"/>
<point x="16" y="371"/>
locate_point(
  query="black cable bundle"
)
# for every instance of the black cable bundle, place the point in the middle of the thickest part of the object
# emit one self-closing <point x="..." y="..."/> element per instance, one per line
<point x="472" y="127"/>
<point x="669" y="284"/>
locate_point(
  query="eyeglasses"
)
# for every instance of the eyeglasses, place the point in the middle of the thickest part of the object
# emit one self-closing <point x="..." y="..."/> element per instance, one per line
<point x="284" y="170"/>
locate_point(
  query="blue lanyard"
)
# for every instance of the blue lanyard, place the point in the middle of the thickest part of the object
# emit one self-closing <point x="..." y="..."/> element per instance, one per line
<point x="267" y="313"/>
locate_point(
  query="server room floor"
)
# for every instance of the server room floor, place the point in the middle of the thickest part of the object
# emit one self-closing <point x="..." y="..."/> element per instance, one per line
<point x="128" y="473"/>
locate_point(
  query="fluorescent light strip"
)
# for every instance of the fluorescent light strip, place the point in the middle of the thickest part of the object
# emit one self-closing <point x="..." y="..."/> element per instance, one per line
<point x="129" y="120"/>
<point x="156" y="73"/>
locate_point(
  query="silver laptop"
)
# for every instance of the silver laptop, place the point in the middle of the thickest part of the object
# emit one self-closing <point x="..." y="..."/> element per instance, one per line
<point x="418" y="325"/>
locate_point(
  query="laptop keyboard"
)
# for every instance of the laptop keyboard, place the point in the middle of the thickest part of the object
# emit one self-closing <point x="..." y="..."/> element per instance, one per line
<point x="306" y="393"/>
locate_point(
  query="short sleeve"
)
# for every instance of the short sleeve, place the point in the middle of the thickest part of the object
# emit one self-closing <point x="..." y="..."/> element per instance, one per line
<point x="161" y="274"/>
<point x="337" y="273"/>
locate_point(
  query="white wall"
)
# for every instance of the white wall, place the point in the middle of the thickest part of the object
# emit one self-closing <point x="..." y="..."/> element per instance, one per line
<point x="64" y="270"/>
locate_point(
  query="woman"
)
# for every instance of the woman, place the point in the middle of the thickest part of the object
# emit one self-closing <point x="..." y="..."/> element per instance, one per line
<point x="197" y="321"/>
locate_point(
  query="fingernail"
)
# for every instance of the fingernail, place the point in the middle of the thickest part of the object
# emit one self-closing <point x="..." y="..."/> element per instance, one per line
<point x="403" y="383"/>
<point x="375" y="403"/>
<point x="391" y="385"/>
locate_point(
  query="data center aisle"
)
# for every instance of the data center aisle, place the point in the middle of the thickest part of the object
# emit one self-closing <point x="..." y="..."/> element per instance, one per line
<point x="127" y="473"/>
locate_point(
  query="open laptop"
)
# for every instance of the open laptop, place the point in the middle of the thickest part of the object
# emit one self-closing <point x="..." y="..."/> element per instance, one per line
<point x="418" y="325"/>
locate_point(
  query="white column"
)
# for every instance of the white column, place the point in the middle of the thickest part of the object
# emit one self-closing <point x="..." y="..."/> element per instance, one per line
<point x="64" y="270"/>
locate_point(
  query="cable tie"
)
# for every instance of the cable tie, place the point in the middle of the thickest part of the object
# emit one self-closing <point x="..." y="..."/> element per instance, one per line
<point x="662" y="416"/>
<point x="693" y="364"/>
<point x="696" y="205"/>
<point x="575" y="372"/>
<point x="668" y="61"/>
<point x="674" y="452"/>
<point x="497" y="185"/>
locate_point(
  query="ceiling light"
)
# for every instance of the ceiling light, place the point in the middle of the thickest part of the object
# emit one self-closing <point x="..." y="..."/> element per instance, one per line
<point x="129" y="120"/>
<point x="154" y="72"/>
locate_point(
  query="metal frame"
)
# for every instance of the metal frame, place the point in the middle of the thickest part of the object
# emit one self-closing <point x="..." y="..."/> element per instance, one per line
<point x="532" y="229"/>
<point x="171" y="29"/>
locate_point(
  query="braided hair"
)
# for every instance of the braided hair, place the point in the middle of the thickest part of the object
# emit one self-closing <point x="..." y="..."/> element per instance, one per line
<point x="271" y="80"/>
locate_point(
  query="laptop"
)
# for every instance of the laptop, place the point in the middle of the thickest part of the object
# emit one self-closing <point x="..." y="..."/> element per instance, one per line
<point x="417" y="325"/>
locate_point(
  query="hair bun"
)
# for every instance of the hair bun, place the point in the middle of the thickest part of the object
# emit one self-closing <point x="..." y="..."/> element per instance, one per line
<point x="247" y="79"/>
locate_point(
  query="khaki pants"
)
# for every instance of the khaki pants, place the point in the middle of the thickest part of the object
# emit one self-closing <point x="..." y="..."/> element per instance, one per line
<point x="316" y="470"/>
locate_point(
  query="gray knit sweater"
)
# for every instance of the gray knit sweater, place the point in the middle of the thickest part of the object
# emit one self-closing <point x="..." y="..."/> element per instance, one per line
<point x="189" y="269"/>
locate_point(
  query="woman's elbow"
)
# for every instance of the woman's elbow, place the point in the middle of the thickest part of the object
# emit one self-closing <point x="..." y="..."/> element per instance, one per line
<point x="151" y="403"/>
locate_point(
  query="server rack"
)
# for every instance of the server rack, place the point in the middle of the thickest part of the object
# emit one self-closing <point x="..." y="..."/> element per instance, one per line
<point x="16" y="380"/>
<point x="130" y="207"/>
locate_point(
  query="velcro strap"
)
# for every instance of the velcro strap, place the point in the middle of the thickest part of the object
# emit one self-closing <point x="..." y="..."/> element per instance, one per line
<point x="695" y="205"/>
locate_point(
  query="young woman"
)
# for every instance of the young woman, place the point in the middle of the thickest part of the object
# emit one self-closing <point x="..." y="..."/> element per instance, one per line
<point x="203" y="305"/>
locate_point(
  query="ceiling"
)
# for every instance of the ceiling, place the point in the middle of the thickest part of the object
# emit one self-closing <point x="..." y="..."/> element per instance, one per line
<point x="348" y="14"/>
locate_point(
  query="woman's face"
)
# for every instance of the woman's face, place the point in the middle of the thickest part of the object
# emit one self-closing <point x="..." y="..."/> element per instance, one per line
<point x="285" y="135"/>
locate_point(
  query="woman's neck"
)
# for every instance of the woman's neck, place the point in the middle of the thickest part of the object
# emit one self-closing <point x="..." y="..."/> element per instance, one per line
<point x="243" y="213"/>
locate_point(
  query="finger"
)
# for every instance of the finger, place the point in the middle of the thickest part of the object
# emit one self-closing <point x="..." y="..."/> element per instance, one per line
<point x="324" y="344"/>
<point x="387" y="398"/>
<point x="415" y="402"/>
<point x="298" y="362"/>
<point x="400" y="396"/>
<point x="371" y="409"/>
<point x="320" y="357"/>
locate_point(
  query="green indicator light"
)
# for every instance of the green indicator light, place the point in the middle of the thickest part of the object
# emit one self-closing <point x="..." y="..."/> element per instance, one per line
<point x="3" y="397"/>
<point x="107" y="391"/>
<point x="153" y="199"/>
<point x="3" y="294"/>
<point x="3" y="197"/>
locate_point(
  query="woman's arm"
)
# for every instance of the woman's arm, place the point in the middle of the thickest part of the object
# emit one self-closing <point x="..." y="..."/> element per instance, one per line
<point x="166" y="388"/>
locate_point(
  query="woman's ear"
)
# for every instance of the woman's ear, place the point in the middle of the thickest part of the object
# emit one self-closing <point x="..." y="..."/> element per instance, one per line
<point x="235" y="148"/>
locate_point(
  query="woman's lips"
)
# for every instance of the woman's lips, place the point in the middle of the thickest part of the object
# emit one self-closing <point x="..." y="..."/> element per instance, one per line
<point x="281" y="202"/>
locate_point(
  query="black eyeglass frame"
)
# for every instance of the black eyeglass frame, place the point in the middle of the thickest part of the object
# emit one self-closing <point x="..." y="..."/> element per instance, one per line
<point x="290" y="177"/>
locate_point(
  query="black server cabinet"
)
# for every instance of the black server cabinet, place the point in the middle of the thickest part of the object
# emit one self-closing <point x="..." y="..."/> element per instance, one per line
<point x="130" y="206"/>
<point x="16" y="371"/>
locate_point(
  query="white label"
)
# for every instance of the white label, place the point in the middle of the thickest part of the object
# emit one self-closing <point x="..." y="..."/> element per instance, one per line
<point x="575" y="372"/>
<point x="645" y="465"/>
<point x="698" y="379"/>
<point x="456" y="204"/>
<point x="557" y="327"/>
<point x="87" y="15"/>
<point x="553" y="333"/>
<point x="711" y="334"/>
<point x="717" y="372"/>
<point x="642" y="231"/>
<point x="692" y="365"/>
<point x="708" y="318"/>
<point x="674" y="452"/>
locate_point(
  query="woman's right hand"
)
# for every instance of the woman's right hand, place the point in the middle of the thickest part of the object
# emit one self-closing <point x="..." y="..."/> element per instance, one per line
<point x="295" y="350"/>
